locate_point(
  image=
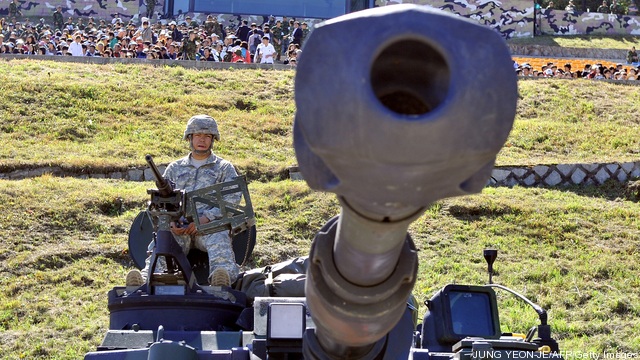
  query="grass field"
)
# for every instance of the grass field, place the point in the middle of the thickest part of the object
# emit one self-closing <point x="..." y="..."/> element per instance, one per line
<point x="573" y="250"/>
<point x="110" y="116"/>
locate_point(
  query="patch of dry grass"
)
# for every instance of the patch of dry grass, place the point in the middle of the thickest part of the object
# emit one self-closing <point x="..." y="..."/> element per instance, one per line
<point x="574" y="251"/>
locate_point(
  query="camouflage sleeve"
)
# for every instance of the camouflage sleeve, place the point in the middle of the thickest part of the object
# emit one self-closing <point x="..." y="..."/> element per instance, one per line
<point x="228" y="173"/>
<point x="169" y="172"/>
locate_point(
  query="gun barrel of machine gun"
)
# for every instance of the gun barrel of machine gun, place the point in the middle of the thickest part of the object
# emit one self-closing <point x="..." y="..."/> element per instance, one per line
<point x="164" y="187"/>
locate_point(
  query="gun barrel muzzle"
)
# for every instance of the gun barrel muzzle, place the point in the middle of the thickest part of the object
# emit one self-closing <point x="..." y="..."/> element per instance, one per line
<point x="164" y="187"/>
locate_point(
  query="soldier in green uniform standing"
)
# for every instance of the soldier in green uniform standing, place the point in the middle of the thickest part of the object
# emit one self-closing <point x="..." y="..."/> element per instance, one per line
<point x="151" y="5"/>
<point x="189" y="47"/>
<point x="212" y="26"/>
<point x="305" y="33"/>
<point x="286" y="32"/>
<point x="276" y="37"/>
<point x="14" y="9"/>
<point x="58" y="20"/>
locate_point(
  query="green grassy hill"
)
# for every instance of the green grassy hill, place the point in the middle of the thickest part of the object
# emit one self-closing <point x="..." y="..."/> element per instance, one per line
<point x="110" y="116"/>
<point x="63" y="244"/>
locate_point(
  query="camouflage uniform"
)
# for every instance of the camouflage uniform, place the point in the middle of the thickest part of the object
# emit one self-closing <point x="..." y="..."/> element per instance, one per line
<point x="14" y="10"/>
<point x="208" y="27"/>
<point x="213" y="27"/>
<point x="285" y="28"/>
<point x="286" y="32"/>
<point x="189" y="49"/>
<point x="305" y="34"/>
<point x="187" y="177"/>
<point x="58" y="20"/>
<point x="616" y="9"/>
<point x="151" y="5"/>
<point x="277" y="35"/>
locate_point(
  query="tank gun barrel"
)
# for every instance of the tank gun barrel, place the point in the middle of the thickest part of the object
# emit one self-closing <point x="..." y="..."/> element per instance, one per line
<point x="395" y="124"/>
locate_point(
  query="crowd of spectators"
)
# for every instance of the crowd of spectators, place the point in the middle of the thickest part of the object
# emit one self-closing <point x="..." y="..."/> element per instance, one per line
<point x="595" y="71"/>
<point x="605" y="8"/>
<point x="275" y="41"/>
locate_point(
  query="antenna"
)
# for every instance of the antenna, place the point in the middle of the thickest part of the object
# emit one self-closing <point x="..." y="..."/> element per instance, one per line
<point x="490" y="256"/>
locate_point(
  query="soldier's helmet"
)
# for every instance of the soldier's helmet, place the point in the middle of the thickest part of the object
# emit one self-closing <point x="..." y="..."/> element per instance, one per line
<point x="202" y="124"/>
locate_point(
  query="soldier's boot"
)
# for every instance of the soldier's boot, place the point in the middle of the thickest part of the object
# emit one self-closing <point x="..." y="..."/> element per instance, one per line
<point x="134" y="278"/>
<point x="220" y="277"/>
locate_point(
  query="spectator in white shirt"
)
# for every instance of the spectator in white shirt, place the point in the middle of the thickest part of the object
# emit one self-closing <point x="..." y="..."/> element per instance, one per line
<point x="265" y="51"/>
<point x="76" y="47"/>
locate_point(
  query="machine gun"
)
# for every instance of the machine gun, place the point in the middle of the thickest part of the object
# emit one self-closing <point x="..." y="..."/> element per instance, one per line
<point x="398" y="119"/>
<point x="180" y="206"/>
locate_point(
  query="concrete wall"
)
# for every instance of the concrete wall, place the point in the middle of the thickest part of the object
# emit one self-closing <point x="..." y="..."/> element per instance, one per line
<point x="133" y="174"/>
<point x="553" y="175"/>
<point x="565" y="174"/>
<point x="539" y="175"/>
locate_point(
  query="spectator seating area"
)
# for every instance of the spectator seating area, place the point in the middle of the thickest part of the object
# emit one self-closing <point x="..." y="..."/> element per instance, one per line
<point x="576" y="64"/>
<point x="575" y="68"/>
<point x="271" y="42"/>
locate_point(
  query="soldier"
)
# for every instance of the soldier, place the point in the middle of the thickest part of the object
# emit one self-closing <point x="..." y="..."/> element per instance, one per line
<point x="285" y="34"/>
<point x="615" y="8"/>
<point x="40" y="26"/>
<point x="603" y="8"/>
<point x="58" y="19"/>
<point x="305" y="33"/>
<point x="151" y="5"/>
<point x="80" y="25"/>
<point x="208" y="25"/>
<point x="199" y="169"/>
<point x="14" y="9"/>
<point x="212" y="26"/>
<point x="189" y="47"/>
<point x="191" y="23"/>
<point x="69" y="25"/>
<point x="19" y="30"/>
<point x="276" y="38"/>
